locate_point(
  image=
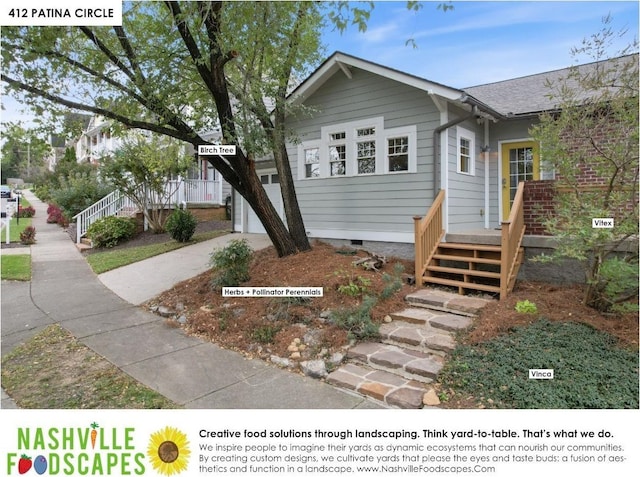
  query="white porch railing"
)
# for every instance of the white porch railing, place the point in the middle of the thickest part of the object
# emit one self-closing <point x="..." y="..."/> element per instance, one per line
<point x="196" y="190"/>
<point x="188" y="190"/>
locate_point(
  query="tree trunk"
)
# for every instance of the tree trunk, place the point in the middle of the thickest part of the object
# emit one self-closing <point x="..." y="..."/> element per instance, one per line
<point x="290" y="200"/>
<point x="257" y="198"/>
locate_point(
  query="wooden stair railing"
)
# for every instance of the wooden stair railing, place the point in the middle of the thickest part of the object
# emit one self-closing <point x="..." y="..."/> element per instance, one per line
<point x="428" y="231"/>
<point x="512" y="233"/>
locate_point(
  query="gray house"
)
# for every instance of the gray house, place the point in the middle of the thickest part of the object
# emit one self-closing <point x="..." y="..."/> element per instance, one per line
<point x="381" y="147"/>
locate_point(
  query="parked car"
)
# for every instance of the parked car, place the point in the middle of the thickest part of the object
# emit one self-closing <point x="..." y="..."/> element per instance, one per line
<point x="5" y="191"/>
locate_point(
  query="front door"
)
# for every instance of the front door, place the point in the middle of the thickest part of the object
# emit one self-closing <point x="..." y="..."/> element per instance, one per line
<point x="520" y="162"/>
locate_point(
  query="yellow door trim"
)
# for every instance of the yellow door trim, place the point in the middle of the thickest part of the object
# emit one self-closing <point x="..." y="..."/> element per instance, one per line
<point x="505" y="151"/>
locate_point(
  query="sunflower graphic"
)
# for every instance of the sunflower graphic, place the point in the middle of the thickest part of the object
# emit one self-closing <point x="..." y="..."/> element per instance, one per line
<point x="169" y="451"/>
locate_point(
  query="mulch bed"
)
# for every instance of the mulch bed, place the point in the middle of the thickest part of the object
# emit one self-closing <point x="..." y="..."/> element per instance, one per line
<point x="150" y="238"/>
<point x="232" y="322"/>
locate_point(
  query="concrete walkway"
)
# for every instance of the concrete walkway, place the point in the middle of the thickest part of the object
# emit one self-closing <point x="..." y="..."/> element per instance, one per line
<point x="189" y="371"/>
<point x="141" y="281"/>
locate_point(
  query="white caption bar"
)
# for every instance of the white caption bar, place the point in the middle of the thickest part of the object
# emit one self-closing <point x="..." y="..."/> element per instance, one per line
<point x="602" y="223"/>
<point x="61" y="13"/>
<point x="216" y="150"/>
<point x="541" y="374"/>
<point x="273" y="291"/>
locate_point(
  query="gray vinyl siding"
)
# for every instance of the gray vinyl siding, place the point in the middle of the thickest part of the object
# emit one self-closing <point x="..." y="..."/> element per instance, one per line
<point x="465" y="192"/>
<point x="375" y="203"/>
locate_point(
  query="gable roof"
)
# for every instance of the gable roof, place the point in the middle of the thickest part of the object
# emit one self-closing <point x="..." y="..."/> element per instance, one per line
<point x="343" y="62"/>
<point x="529" y="95"/>
<point x="512" y="98"/>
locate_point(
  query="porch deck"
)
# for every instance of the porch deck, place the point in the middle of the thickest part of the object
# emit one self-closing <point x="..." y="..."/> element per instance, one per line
<point x="493" y="236"/>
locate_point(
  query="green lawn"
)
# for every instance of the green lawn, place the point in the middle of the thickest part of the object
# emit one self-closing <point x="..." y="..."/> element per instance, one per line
<point x="16" y="267"/>
<point x="102" y="262"/>
<point x="15" y="229"/>
<point x="24" y="202"/>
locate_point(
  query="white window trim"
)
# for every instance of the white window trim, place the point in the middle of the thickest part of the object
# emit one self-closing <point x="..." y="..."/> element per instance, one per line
<point x="410" y="132"/>
<point x="462" y="133"/>
<point x="351" y="141"/>
<point x="301" y="156"/>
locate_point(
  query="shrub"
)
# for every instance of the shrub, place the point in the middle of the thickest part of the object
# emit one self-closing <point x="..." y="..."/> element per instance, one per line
<point x="78" y="192"/>
<point x="25" y="212"/>
<point x="265" y="334"/>
<point x="181" y="225"/>
<point x="392" y="283"/>
<point x="28" y="235"/>
<point x="356" y="286"/>
<point x="357" y="320"/>
<point x="619" y="284"/>
<point x="54" y="215"/>
<point x="526" y="307"/>
<point x="110" y="231"/>
<point x="231" y="264"/>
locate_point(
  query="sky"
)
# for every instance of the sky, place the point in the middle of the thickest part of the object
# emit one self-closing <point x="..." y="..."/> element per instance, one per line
<point x="477" y="42"/>
<point x="481" y="42"/>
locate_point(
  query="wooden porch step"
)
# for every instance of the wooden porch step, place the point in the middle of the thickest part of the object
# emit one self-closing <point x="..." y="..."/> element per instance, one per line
<point x="470" y="246"/>
<point x="464" y="271"/>
<point x="462" y="285"/>
<point x="462" y="258"/>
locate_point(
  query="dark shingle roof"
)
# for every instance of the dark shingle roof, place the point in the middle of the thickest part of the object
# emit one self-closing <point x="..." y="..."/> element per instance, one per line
<point x="529" y="94"/>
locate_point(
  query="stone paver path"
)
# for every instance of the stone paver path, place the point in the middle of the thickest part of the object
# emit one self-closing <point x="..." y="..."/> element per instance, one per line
<point x="412" y="349"/>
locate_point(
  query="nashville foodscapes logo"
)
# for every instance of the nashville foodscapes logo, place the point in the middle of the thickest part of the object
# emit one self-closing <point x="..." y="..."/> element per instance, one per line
<point x="95" y="450"/>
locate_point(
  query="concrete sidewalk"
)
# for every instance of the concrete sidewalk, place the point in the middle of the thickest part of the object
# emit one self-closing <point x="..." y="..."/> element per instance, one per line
<point x="189" y="371"/>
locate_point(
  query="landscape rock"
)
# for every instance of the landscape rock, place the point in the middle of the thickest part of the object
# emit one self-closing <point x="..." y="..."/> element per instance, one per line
<point x="314" y="369"/>
<point x="336" y="358"/>
<point x="312" y="337"/>
<point x="165" y="311"/>
<point x="282" y="362"/>
<point x="295" y="355"/>
<point x="388" y="319"/>
<point x="182" y="319"/>
<point x="430" y="398"/>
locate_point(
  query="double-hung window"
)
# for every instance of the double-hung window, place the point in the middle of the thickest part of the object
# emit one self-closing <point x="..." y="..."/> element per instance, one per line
<point x="466" y="151"/>
<point x="398" y="154"/>
<point x="366" y="150"/>
<point x="338" y="154"/>
<point x="312" y="162"/>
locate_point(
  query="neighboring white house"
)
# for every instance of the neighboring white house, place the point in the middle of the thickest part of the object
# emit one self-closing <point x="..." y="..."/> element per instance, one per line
<point x="202" y="184"/>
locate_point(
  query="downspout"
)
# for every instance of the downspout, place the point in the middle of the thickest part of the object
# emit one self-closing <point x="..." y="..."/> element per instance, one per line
<point x="436" y="142"/>
<point x="486" y="150"/>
